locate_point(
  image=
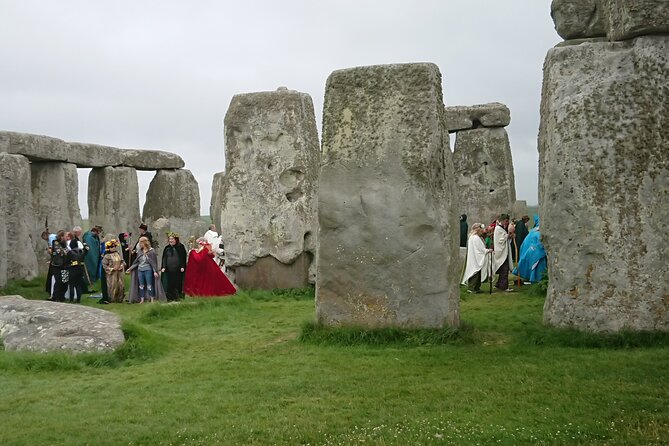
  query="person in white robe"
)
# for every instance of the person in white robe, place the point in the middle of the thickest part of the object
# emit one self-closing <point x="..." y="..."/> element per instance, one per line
<point x="477" y="264"/>
<point x="215" y="240"/>
<point x="502" y="255"/>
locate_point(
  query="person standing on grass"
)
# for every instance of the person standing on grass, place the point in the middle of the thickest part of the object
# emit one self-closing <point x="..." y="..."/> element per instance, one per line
<point x="502" y="254"/>
<point x="478" y="259"/>
<point x="173" y="267"/>
<point x="92" y="259"/>
<point x="463" y="230"/>
<point x="532" y="263"/>
<point x="144" y="283"/>
<point x="76" y="252"/>
<point x="203" y="276"/>
<point x="113" y="266"/>
<point x="60" y="276"/>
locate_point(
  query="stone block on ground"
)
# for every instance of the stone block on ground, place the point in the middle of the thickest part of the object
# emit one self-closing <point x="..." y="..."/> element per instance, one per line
<point x="268" y="196"/>
<point x="604" y="184"/>
<point x="217" y="193"/>
<point x="42" y="326"/>
<point x="484" y="174"/>
<point x="172" y="193"/>
<point x="388" y="240"/>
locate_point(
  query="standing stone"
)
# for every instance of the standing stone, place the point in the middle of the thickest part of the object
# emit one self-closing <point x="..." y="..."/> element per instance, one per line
<point x="269" y="192"/>
<point x="217" y="194"/>
<point x="18" y="229"/>
<point x="631" y="18"/>
<point x="388" y="241"/>
<point x="484" y="174"/>
<point x="113" y="199"/>
<point x="604" y="184"/>
<point x="173" y="195"/>
<point x="520" y="209"/>
<point x="55" y="191"/>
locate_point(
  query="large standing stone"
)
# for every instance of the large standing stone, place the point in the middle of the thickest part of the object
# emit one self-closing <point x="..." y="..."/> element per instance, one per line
<point x="604" y="184"/>
<point x="173" y="195"/>
<point x="269" y="196"/>
<point x="17" y="220"/>
<point x="217" y="193"/>
<point x="578" y="19"/>
<point x="55" y="191"/>
<point x="388" y="241"/>
<point x="44" y="148"/>
<point x="113" y="199"/>
<point x="30" y="325"/>
<point x="520" y="209"/>
<point x="484" y="174"/>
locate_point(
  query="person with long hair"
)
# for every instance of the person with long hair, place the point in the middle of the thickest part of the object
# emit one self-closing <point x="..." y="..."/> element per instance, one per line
<point x="203" y="276"/>
<point x="144" y="275"/>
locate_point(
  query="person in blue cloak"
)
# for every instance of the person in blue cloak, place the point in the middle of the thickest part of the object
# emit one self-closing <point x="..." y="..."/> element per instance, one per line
<point x="532" y="263"/>
<point x="92" y="259"/>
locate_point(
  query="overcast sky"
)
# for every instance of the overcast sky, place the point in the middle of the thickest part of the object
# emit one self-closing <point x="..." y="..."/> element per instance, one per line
<point x="161" y="74"/>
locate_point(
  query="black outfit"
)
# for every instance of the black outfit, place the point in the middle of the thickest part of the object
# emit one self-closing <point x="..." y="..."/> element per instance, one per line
<point x="76" y="273"/>
<point x="521" y="233"/>
<point x="174" y="258"/>
<point x="464" y="227"/>
<point x="60" y="271"/>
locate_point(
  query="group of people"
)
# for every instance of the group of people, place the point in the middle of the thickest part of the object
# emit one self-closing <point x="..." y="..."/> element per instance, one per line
<point x="493" y="249"/>
<point x="77" y="262"/>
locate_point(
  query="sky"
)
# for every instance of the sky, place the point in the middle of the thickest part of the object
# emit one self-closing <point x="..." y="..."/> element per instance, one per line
<point x="160" y="74"/>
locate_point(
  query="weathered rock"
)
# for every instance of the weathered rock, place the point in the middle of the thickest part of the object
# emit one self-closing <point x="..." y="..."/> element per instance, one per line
<point x="464" y="117"/>
<point x="604" y="184"/>
<point x="17" y="220"/>
<point x="388" y="240"/>
<point x="55" y="191"/>
<point x="217" y="193"/>
<point x="41" y="326"/>
<point x="578" y="19"/>
<point x="519" y="209"/>
<point x="40" y="148"/>
<point x="113" y="199"/>
<point x="484" y="174"/>
<point x="269" y="192"/>
<point x="268" y="273"/>
<point x="615" y="19"/>
<point x="631" y="18"/>
<point x="172" y="193"/>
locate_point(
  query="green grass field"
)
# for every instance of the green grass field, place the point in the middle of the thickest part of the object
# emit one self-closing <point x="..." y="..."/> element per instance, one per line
<point x="252" y="370"/>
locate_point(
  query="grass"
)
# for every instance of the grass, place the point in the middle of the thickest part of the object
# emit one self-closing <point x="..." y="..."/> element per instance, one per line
<point x="254" y="370"/>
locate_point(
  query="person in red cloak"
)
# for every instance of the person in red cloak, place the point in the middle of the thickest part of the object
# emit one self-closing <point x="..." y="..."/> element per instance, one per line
<point x="203" y="276"/>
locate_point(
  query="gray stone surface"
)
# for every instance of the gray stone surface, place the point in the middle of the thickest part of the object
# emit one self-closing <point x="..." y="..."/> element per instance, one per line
<point x="464" y="117"/>
<point x="615" y="19"/>
<point x="578" y="19"/>
<point x="388" y="246"/>
<point x="18" y="227"/>
<point x="41" y="326"/>
<point x="604" y="184"/>
<point x="484" y="174"/>
<point x="44" y="148"/>
<point x="519" y="209"/>
<point x="189" y="229"/>
<point x="215" y="206"/>
<point x="172" y="193"/>
<point x="113" y="199"/>
<point x="55" y="192"/>
<point x="269" y="198"/>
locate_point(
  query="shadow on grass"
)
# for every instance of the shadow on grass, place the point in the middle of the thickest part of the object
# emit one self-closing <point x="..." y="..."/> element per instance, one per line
<point x="313" y="333"/>
<point x="140" y="345"/>
<point x="554" y="337"/>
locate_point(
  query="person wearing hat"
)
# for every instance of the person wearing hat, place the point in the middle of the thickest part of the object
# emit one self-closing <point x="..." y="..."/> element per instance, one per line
<point x="113" y="266"/>
<point x="144" y="232"/>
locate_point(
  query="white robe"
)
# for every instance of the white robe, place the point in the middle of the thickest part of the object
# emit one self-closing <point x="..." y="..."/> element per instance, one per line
<point x="212" y="238"/>
<point x="477" y="259"/>
<point x="502" y="248"/>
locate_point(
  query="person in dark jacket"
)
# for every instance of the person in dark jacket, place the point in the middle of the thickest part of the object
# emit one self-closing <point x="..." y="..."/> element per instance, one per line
<point x="464" y="228"/>
<point x="521" y="233"/>
<point x="173" y="267"/>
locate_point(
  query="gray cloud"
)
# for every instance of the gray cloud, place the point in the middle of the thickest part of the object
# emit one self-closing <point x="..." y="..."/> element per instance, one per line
<point x="160" y="74"/>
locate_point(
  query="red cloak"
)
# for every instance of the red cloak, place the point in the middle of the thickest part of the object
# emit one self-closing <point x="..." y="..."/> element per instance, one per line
<point x="204" y="277"/>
